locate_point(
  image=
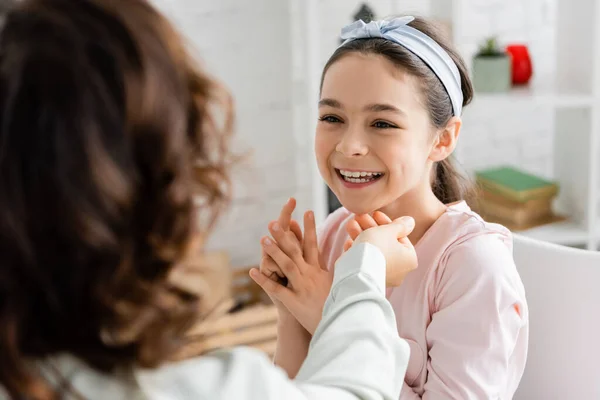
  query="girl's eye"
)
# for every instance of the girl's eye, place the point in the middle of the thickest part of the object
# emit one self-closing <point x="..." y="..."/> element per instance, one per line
<point x="330" y="119"/>
<point x="383" y="125"/>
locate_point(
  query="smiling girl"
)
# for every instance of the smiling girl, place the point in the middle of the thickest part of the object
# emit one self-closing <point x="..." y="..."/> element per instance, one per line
<point x="389" y="119"/>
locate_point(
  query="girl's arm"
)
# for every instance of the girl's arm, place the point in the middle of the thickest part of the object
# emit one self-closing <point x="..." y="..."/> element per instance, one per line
<point x="292" y="344"/>
<point x="478" y="333"/>
<point x="293" y="339"/>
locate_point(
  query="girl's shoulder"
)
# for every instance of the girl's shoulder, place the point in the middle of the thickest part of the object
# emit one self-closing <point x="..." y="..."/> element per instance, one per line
<point x="460" y="225"/>
<point x="470" y="258"/>
<point x="462" y="242"/>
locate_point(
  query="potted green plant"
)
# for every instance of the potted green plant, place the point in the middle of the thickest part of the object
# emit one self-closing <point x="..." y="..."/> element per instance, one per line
<point x="491" y="68"/>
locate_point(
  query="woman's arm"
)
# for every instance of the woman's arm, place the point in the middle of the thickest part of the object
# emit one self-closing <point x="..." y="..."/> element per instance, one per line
<point x="355" y="352"/>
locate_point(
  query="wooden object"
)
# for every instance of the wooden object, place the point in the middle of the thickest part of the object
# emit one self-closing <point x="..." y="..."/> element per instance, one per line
<point x="247" y="318"/>
<point x="254" y="326"/>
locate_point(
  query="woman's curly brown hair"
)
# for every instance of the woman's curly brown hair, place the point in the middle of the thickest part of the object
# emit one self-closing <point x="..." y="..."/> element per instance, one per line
<point x="108" y="138"/>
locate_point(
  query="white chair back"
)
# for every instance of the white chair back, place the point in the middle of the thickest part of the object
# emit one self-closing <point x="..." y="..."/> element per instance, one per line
<point x="562" y="286"/>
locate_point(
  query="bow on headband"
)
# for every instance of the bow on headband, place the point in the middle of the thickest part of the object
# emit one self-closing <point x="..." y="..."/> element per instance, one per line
<point x="360" y="30"/>
<point x="424" y="47"/>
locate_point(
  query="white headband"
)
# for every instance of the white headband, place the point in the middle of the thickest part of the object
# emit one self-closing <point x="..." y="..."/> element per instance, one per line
<point x="416" y="42"/>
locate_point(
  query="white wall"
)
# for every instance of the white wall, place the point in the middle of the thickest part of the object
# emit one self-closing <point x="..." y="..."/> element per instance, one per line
<point x="248" y="46"/>
<point x="262" y="51"/>
<point x="514" y="130"/>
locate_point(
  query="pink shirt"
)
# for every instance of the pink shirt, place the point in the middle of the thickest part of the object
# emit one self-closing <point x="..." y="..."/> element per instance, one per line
<point x="463" y="310"/>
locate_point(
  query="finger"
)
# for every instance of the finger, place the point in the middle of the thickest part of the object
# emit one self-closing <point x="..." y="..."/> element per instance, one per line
<point x="283" y="261"/>
<point x="410" y="255"/>
<point x="407" y="224"/>
<point x="272" y="270"/>
<point x="273" y="289"/>
<point x="269" y="268"/>
<point x="310" y="246"/>
<point x="286" y="214"/>
<point x="348" y="244"/>
<point x="399" y="228"/>
<point x="406" y="241"/>
<point x="287" y="242"/>
<point x="402" y="226"/>
<point x="365" y="221"/>
<point x="381" y="218"/>
<point x="296" y="229"/>
<point x="353" y="228"/>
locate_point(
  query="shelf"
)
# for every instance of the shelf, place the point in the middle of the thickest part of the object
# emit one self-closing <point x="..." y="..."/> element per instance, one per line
<point x="566" y="233"/>
<point x="540" y="95"/>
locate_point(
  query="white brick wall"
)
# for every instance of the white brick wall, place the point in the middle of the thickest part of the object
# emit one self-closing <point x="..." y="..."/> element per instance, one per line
<point x="248" y="46"/>
<point x="259" y="49"/>
<point x="513" y="130"/>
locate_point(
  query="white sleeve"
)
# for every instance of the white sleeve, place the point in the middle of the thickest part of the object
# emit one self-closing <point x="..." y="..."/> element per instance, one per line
<point x="355" y="353"/>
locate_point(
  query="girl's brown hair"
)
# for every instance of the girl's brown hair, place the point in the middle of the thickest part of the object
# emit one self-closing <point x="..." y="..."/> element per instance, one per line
<point x="107" y="138"/>
<point x="448" y="184"/>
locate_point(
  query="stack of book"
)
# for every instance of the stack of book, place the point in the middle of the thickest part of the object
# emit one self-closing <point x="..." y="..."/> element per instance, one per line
<point x="516" y="199"/>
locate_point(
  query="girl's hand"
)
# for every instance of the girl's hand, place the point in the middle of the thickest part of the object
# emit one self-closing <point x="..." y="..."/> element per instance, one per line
<point x="292" y="338"/>
<point x="285" y="221"/>
<point x="308" y="284"/>
<point x="269" y="267"/>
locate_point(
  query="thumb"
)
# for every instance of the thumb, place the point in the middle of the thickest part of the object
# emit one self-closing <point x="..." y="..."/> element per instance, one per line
<point x="272" y="288"/>
<point x="403" y="226"/>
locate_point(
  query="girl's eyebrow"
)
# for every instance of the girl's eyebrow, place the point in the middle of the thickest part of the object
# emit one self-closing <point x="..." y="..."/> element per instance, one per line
<point x="384" y="107"/>
<point x="377" y="107"/>
<point x="330" y="103"/>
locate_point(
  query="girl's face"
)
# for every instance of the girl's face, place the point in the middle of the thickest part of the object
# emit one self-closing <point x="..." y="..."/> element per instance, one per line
<point x="374" y="139"/>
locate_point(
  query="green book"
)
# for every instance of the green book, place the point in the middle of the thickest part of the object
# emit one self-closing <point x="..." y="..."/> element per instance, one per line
<point x="515" y="184"/>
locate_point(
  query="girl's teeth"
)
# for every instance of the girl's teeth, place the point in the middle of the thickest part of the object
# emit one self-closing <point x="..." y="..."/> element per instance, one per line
<point x="359" y="176"/>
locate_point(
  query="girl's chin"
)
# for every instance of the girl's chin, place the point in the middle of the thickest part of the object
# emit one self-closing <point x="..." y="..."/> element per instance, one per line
<point x="357" y="209"/>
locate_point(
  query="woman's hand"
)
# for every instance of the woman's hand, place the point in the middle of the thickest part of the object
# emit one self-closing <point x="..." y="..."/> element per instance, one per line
<point x="392" y="241"/>
<point x="402" y="260"/>
<point x="362" y="222"/>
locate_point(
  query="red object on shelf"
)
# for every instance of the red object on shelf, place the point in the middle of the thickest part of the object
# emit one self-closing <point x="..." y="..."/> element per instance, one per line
<point x="522" y="70"/>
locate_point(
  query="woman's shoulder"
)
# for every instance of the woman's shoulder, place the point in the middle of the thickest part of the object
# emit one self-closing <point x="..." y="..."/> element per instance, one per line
<point x="224" y="372"/>
<point x="219" y="374"/>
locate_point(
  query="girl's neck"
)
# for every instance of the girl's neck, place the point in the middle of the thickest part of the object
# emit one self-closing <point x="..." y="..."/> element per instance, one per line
<point x="423" y="206"/>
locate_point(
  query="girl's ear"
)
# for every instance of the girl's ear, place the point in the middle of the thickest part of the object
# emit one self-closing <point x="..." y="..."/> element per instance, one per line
<point x="446" y="140"/>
